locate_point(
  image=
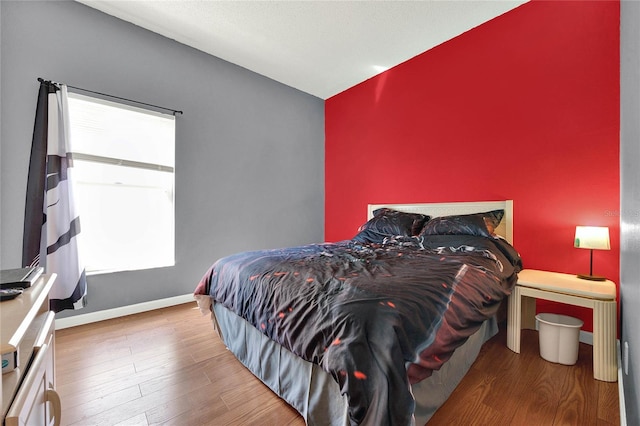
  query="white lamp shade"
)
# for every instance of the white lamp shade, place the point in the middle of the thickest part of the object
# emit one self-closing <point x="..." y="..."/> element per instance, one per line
<point x="592" y="237"/>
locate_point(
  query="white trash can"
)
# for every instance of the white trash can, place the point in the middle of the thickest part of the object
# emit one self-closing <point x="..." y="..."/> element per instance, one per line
<point x="559" y="338"/>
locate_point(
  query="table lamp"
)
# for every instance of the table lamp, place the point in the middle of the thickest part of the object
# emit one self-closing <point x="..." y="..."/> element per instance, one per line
<point x="593" y="238"/>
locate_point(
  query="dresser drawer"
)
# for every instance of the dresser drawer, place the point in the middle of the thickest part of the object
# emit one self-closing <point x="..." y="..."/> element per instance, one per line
<point x="37" y="402"/>
<point x="27" y="329"/>
<point x="46" y="333"/>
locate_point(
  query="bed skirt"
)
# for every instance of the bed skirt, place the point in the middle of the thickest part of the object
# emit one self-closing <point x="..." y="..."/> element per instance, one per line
<point x="313" y="392"/>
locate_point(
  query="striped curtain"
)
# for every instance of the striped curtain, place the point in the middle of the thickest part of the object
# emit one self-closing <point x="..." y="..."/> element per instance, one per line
<point x="52" y="224"/>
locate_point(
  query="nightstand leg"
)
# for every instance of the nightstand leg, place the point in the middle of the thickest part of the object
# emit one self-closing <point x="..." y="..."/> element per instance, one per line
<point x="605" y="362"/>
<point x="514" y="320"/>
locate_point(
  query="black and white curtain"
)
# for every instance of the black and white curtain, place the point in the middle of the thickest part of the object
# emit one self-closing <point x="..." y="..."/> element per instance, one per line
<point x="52" y="224"/>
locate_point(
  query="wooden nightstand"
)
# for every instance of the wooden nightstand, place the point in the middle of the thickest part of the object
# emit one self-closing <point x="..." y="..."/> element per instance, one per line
<point x="28" y="392"/>
<point x="566" y="288"/>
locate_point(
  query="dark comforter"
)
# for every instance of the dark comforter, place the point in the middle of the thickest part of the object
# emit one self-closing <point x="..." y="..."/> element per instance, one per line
<point x="376" y="317"/>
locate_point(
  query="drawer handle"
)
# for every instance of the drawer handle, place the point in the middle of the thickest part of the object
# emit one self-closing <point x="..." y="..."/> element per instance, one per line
<point x="53" y="397"/>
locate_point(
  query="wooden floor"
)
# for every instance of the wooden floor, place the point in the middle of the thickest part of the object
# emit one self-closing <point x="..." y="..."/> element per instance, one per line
<point x="168" y="367"/>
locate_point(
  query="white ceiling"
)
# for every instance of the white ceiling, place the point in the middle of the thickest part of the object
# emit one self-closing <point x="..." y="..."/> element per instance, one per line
<point x="319" y="47"/>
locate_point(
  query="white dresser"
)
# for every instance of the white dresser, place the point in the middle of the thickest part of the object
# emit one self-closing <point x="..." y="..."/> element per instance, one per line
<point x="27" y="326"/>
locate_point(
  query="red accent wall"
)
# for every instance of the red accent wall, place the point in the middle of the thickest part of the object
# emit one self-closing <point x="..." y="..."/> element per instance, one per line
<point x="523" y="107"/>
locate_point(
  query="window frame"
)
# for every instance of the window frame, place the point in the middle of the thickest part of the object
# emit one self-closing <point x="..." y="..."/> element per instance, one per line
<point x="79" y="157"/>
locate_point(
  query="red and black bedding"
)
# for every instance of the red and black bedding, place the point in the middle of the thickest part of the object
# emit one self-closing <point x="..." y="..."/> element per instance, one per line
<point x="379" y="312"/>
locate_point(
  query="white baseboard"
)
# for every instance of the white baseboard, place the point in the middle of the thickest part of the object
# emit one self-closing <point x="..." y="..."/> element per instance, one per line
<point x="586" y="337"/>
<point x="122" y="311"/>
<point x="623" y="407"/>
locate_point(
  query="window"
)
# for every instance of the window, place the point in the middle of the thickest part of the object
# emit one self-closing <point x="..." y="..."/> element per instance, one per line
<point x="124" y="179"/>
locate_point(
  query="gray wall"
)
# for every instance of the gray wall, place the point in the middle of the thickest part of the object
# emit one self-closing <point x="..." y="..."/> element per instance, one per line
<point x="249" y="150"/>
<point x="630" y="201"/>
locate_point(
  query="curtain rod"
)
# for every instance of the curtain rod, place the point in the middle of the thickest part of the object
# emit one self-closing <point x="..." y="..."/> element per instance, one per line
<point x="174" y="111"/>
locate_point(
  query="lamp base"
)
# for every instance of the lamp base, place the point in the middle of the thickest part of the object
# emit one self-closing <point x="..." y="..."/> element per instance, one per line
<point x="591" y="277"/>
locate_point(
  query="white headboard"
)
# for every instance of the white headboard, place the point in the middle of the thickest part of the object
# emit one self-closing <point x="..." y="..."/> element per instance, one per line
<point x="445" y="209"/>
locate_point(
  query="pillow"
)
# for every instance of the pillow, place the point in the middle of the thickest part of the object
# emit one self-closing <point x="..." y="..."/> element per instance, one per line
<point x="492" y="220"/>
<point x="479" y="224"/>
<point x="387" y="222"/>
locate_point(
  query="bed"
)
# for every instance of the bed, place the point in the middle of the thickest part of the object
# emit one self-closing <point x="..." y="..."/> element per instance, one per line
<point x="375" y="330"/>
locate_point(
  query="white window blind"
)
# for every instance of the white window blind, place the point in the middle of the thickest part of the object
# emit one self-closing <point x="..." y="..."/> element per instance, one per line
<point x="124" y="161"/>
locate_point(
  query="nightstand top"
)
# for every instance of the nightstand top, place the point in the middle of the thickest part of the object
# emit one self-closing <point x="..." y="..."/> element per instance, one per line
<point x="567" y="284"/>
